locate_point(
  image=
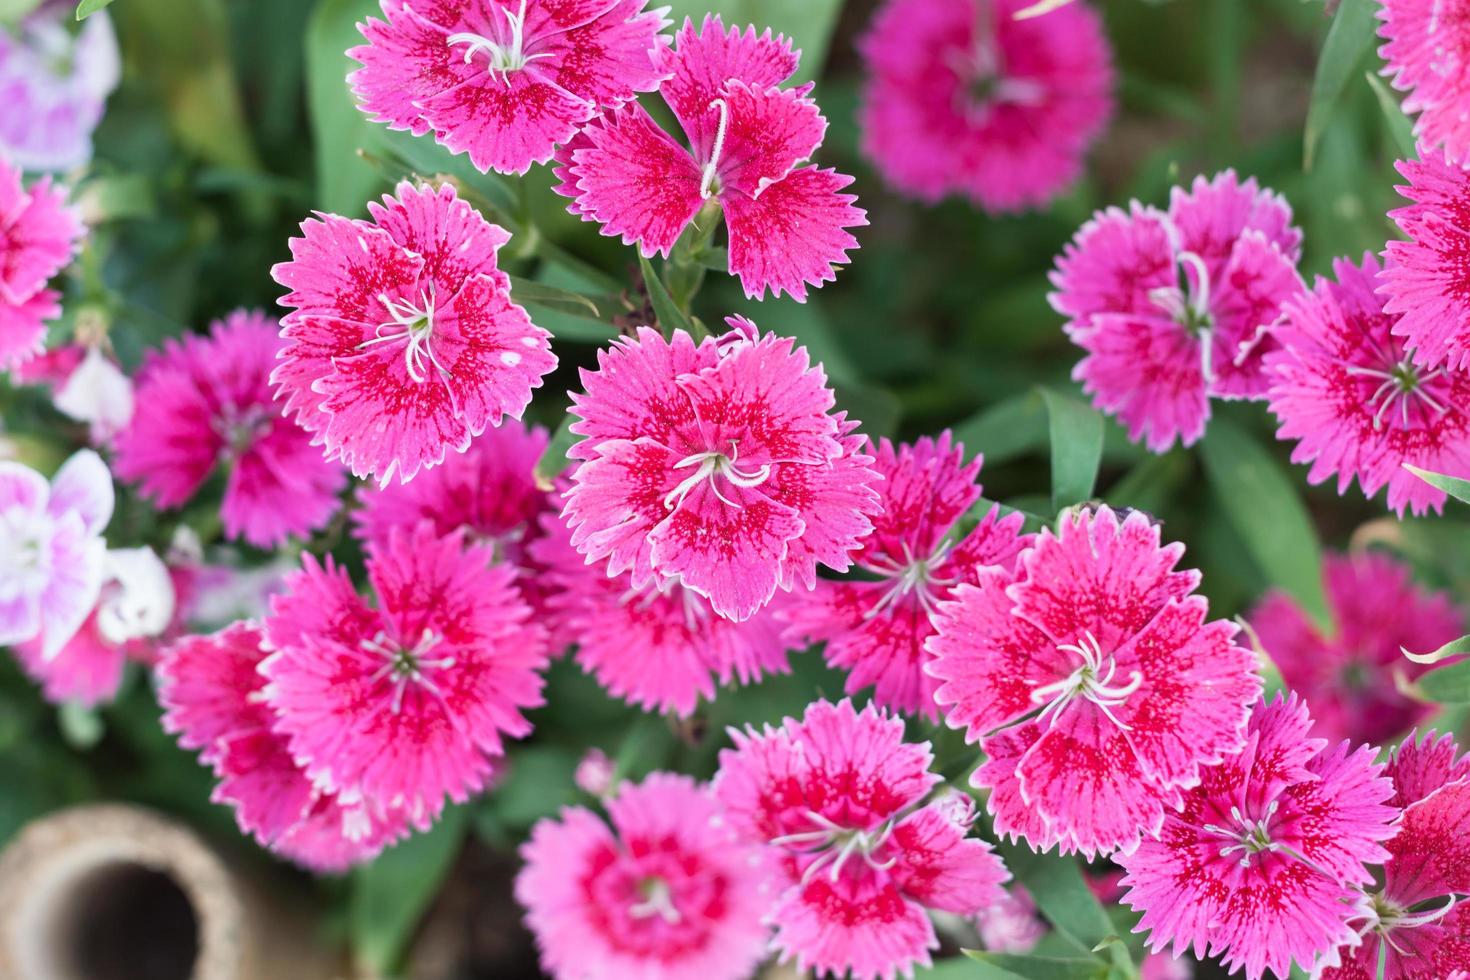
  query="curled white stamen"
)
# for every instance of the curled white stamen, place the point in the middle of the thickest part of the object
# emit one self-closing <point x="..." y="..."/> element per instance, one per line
<point x="659" y="901"/>
<point x="834" y="845"/>
<point x="415" y="326"/>
<point x="503" y="59"/>
<point x="706" y="182"/>
<point x="1250" y="836"/>
<point x="1401" y="385"/>
<point x="405" y="666"/>
<point x="1090" y="681"/>
<point x="1188" y="304"/>
<point x="713" y="466"/>
<point x="915" y="577"/>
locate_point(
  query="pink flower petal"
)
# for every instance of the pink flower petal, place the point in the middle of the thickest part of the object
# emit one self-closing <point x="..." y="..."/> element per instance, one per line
<point x="794" y="234"/>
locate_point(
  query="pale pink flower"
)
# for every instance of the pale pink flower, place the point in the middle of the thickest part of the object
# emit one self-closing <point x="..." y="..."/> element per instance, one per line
<point x="52" y="555"/>
<point x="1345" y="388"/>
<point x="1424" y="280"/>
<point x="864" y="851"/>
<point x="504" y="81"/>
<point x="1264" y="862"/>
<point x="876" y="629"/>
<point x="666" y="892"/>
<point x="721" y="464"/>
<point x="403" y="343"/>
<point x="749" y="141"/>
<point x="98" y="393"/>
<point x="1417" y="922"/>
<point x="1351" y="673"/>
<point x="404" y="705"/>
<point x="1172" y="307"/>
<point x="963" y="98"/>
<point x="203" y="402"/>
<point x="595" y="773"/>
<point x="1011" y="924"/>
<point x="211" y="691"/>
<point x="660" y="646"/>
<point x="1094" y="681"/>
<point x="1427" y="54"/>
<point x="39" y="234"/>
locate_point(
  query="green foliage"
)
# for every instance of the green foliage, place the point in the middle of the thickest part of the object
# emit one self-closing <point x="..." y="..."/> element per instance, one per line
<point x="390" y="895"/>
<point x="85" y="9"/>
<point x="1347" y="42"/>
<point x="1076" y="433"/>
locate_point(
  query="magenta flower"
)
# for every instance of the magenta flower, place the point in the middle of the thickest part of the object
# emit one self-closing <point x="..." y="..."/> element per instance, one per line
<point x="211" y="691"/>
<point x="720" y="463"/>
<point x="1171" y="307"/>
<point x="407" y="703"/>
<point x="1415" y="923"/>
<point x="39" y="234"/>
<point x="206" y="401"/>
<point x="787" y="222"/>
<point x="660" y="647"/>
<point x="963" y="98"/>
<point x="1345" y="388"/>
<point x="841" y="797"/>
<point x="403" y="343"/>
<point x="1427" y="55"/>
<point x="1264" y="862"/>
<point x="1093" y="680"/>
<point x="1351" y="675"/>
<point x="501" y="81"/>
<point x="51" y="549"/>
<point x="665" y="892"/>
<point x="54" y="84"/>
<point x="876" y="629"/>
<point x="1424" y="282"/>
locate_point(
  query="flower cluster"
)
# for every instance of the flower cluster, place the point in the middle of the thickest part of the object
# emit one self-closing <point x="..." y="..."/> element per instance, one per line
<point x="39" y="234"/>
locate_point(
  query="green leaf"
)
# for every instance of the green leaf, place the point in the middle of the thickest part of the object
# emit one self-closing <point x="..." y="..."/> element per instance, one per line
<point x="81" y="727"/>
<point x="11" y="11"/>
<point x="538" y="782"/>
<point x="1452" y="485"/>
<point x="390" y="896"/>
<point x="1076" y="448"/>
<point x="1041" y="967"/>
<point x="554" y="460"/>
<point x="1454" y="648"/>
<point x="87" y="8"/>
<point x="1007" y="430"/>
<point x="1399" y="127"/>
<point x="670" y="317"/>
<point x="808" y="23"/>
<point x="344" y="181"/>
<point x="1061" y="894"/>
<point x="526" y="291"/>
<point x="1261" y="503"/>
<point x="1449" y="684"/>
<point x="1348" y="40"/>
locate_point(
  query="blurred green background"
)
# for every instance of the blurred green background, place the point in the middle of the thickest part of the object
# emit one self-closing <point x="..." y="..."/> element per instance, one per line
<point x="234" y="121"/>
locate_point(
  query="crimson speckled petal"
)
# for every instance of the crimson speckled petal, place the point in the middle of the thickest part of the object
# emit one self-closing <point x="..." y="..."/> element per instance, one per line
<point x="1425" y="282"/>
<point x="1427" y="55"/>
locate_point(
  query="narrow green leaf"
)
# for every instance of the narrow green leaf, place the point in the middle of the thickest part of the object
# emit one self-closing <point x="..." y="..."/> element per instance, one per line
<point x="967" y="967"/>
<point x="1076" y="448"/>
<point x="1454" y="648"/>
<point x="1399" y="126"/>
<point x="1005" y="431"/>
<point x="1449" y="684"/>
<point x="87" y="8"/>
<point x="1262" y="505"/>
<point x="1041" y="967"/>
<point x="554" y="460"/>
<point x="1452" y="485"/>
<point x="390" y="896"/>
<point x="1347" y="41"/>
<point x="670" y="317"/>
<point x="344" y="180"/>
<point x="525" y="291"/>
<point x="1061" y="894"/>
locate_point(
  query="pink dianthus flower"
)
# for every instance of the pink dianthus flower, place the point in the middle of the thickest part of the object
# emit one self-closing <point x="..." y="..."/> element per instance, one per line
<point x="720" y="463"/>
<point x="406" y="704"/>
<point x="1424" y="282"/>
<point x="1344" y="387"/>
<point x="39" y="234"/>
<point x="962" y="97"/>
<point x="1172" y="307"/>
<point x="1427" y="54"/>
<point x="876" y="629"/>
<point x="787" y="221"/>
<point x="211" y="691"/>
<point x="864" y="850"/>
<point x="403" y="342"/>
<point x="206" y="401"/>
<point x="664" y="893"/>
<point x="504" y="81"/>
<point x="1351" y="674"/>
<point x="1264" y="862"/>
<point x="1094" y="681"/>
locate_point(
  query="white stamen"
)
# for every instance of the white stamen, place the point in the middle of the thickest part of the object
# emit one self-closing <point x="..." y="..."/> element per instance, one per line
<point x="1188" y="304"/>
<point x="503" y="58"/>
<point x="706" y="183"/>
<point x="415" y="325"/>
<point x="713" y="465"/>
<point x="1250" y="836"/>
<point x="1090" y="681"/>
<point x="405" y="666"/>
<point x="1401" y="385"/>
<point x="658" y="901"/>
<point x="834" y="845"/>
<point x="914" y="577"/>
